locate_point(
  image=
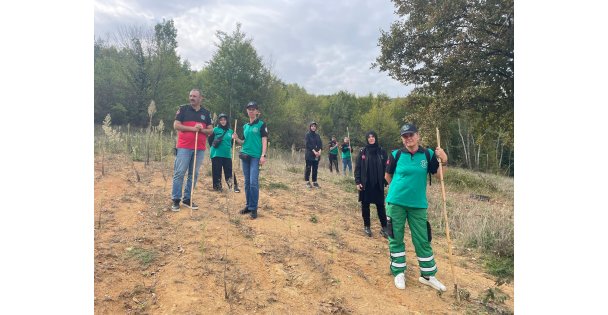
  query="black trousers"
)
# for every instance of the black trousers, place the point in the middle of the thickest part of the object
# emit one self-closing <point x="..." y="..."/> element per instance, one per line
<point x="217" y="164"/>
<point x="333" y="161"/>
<point x="381" y="213"/>
<point x="314" y="165"/>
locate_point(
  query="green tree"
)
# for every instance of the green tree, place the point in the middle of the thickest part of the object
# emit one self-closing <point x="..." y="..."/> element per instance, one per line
<point x="236" y="75"/>
<point x="460" y="51"/>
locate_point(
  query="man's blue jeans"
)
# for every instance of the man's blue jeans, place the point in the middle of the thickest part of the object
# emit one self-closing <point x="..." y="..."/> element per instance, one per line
<point x="251" y="172"/>
<point x="183" y="162"/>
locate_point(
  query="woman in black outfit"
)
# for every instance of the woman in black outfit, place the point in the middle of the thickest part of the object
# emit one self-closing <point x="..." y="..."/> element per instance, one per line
<point x="369" y="177"/>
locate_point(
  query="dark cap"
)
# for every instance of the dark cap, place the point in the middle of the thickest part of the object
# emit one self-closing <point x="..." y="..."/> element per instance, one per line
<point x="252" y="104"/>
<point x="222" y="115"/>
<point x="312" y="123"/>
<point x="408" y="128"/>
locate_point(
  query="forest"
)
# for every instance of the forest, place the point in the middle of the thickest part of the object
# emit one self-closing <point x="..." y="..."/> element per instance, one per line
<point x="459" y="55"/>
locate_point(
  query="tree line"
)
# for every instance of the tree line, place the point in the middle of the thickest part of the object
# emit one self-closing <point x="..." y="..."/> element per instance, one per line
<point x="458" y="53"/>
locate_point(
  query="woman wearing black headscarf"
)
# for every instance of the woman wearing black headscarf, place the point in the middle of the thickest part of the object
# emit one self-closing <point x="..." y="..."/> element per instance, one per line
<point x="369" y="177"/>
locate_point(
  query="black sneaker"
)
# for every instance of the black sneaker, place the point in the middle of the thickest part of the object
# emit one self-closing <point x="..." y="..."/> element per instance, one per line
<point x="316" y="185"/>
<point x="193" y="206"/>
<point x="308" y="185"/>
<point x="383" y="233"/>
<point x="237" y="190"/>
<point x="367" y="231"/>
<point x="254" y="214"/>
<point x="245" y="210"/>
<point x="175" y="206"/>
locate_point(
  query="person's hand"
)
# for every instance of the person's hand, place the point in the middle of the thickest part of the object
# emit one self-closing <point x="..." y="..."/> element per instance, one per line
<point x="262" y="160"/>
<point x="441" y="155"/>
<point x="359" y="187"/>
<point x="198" y="127"/>
<point x="234" y="137"/>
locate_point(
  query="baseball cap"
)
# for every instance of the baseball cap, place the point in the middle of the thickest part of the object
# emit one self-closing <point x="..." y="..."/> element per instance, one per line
<point x="408" y="128"/>
<point x="252" y="104"/>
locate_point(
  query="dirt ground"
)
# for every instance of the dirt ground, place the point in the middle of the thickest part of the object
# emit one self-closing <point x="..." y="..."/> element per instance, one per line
<point x="305" y="254"/>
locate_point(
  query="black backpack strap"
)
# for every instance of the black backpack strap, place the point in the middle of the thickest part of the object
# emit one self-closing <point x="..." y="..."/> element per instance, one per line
<point x="428" y="164"/>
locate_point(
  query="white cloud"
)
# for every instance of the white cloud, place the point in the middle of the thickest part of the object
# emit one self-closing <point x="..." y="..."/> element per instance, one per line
<point x="323" y="46"/>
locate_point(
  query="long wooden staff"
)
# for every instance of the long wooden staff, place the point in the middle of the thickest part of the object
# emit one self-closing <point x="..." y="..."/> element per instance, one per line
<point x="193" y="172"/>
<point x="445" y="218"/>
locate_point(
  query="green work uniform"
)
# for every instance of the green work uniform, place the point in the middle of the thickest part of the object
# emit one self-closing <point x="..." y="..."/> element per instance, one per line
<point x="254" y="132"/>
<point x="225" y="147"/>
<point x="406" y="202"/>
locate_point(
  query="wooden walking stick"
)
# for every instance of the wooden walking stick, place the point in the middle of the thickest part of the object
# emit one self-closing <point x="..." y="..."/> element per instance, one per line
<point x="445" y="218"/>
<point x="193" y="172"/>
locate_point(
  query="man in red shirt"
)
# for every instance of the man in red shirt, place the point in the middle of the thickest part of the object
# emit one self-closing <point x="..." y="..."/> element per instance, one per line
<point x="190" y="119"/>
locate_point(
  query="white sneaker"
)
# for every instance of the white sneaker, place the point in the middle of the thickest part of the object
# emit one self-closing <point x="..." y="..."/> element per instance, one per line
<point x="400" y="281"/>
<point x="433" y="282"/>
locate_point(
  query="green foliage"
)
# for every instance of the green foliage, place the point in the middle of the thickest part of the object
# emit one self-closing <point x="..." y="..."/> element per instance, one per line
<point x="459" y="51"/>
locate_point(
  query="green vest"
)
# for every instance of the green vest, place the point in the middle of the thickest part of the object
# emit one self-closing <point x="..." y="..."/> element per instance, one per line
<point x="408" y="187"/>
<point x="225" y="147"/>
<point x="253" y="139"/>
<point x="345" y="155"/>
<point x="334" y="151"/>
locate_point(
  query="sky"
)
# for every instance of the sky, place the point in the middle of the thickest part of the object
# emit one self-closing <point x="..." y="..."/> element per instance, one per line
<point x="323" y="46"/>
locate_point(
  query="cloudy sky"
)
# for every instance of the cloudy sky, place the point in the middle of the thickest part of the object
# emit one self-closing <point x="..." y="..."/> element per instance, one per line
<point x="323" y="46"/>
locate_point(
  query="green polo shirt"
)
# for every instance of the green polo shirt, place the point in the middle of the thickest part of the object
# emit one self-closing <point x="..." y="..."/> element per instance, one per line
<point x="408" y="187"/>
<point x="225" y="147"/>
<point x="253" y="133"/>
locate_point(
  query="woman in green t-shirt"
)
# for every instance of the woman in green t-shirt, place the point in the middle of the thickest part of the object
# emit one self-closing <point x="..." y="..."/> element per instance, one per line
<point x="406" y="201"/>
<point x="221" y="154"/>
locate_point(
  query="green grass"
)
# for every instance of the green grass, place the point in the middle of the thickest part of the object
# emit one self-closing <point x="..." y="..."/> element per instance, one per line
<point x="294" y="169"/>
<point x="313" y="219"/>
<point x="277" y="185"/>
<point x="143" y="256"/>
<point x="501" y="267"/>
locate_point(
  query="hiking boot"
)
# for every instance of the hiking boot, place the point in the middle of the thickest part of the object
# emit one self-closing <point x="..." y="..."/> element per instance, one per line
<point x="308" y="185"/>
<point x="175" y="206"/>
<point x="245" y="210"/>
<point x="400" y="281"/>
<point x="433" y="282"/>
<point x="192" y="206"/>
<point x="367" y="231"/>
<point x="316" y="185"/>
<point x="237" y="190"/>
<point x="383" y="232"/>
<point x="254" y="214"/>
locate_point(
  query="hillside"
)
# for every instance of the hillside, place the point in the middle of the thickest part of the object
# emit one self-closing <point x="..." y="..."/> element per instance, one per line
<point x="305" y="254"/>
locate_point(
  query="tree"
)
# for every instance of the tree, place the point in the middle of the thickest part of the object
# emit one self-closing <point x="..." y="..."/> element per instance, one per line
<point x="235" y="75"/>
<point x="460" y="51"/>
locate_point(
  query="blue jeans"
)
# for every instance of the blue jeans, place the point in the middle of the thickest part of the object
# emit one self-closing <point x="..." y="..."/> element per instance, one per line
<point x="183" y="162"/>
<point x="251" y="172"/>
<point x="350" y="165"/>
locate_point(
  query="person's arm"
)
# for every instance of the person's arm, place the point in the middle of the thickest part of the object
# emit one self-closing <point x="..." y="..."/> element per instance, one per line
<point x="443" y="159"/>
<point x="390" y="169"/>
<point x="264" y="146"/>
<point x="177" y="125"/>
<point x="208" y="130"/>
<point x="235" y="137"/>
<point x="358" y="172"/>
<point x="388" y="177"/>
